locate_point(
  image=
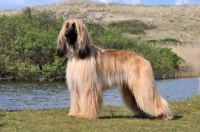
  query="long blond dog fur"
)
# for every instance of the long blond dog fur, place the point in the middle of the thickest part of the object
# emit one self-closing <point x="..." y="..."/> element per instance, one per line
<point x="92" y="70"/>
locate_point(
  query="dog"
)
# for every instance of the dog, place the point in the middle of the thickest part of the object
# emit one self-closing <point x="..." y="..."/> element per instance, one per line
<point x="92" y="70"/>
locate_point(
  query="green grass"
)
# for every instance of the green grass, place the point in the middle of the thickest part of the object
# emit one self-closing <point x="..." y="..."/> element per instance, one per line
<point x="113" y="119"/>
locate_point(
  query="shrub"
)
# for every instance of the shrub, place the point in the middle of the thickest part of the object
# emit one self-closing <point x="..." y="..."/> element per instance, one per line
<point x="28" y="44"/>
<point x="131" y="26"/>
<point x="165" y="41"/>
<point x="164" y="62"/>
<point x="29" y="39"/>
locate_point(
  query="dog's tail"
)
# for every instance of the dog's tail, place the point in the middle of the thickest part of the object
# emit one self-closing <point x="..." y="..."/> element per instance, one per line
<point x="147" y="96"/>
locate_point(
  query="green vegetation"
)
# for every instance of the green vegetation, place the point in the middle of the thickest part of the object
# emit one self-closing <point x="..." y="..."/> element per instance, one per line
<point x="166" y="41"/>
<point x="113" y="118"/>
<point x="163" y="60"/>
<point x="131" y="26"/>
<point x="28" y="45"/>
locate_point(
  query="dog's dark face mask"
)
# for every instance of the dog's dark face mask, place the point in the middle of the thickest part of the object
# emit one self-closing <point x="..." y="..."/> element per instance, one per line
<point x="71" y="34"/>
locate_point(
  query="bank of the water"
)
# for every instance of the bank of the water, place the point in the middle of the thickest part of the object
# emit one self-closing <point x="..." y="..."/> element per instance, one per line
<point x="16" y="95"/>
<point x="182" y="73"/>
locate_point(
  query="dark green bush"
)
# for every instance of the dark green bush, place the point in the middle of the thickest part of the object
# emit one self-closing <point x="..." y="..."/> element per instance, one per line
<point x="131" y="26"/>
<point x="164" y="62"/>
<point x="95" y="30"/>
<point x="28" y="45"/>
<point x="163" y="41"/>
<point x="114" y="40"/>
<point x="108" y="37"/>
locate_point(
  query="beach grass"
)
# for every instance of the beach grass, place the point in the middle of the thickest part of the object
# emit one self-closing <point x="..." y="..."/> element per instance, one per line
<point x="113" y="119"/>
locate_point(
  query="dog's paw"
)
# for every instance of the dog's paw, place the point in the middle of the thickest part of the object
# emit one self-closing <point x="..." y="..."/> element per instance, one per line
<point x="72" y="115"/>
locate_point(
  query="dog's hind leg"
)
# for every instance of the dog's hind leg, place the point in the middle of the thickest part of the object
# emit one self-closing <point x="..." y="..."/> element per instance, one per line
<point x="148" y="98"/>
<point x="130" y="102"/>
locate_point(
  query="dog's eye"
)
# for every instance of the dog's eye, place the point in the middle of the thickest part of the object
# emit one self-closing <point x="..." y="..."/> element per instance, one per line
<point x="67" y="25"/>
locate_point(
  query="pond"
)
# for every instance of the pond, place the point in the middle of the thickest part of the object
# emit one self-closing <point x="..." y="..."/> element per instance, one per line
<point x="47" y="95"/>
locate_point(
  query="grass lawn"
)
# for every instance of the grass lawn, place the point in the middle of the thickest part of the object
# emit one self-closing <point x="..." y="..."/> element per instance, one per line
<point x="113" y="119"/>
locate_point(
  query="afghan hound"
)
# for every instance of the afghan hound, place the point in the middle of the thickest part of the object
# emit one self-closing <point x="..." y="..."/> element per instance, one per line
<point x="91" y="70"/>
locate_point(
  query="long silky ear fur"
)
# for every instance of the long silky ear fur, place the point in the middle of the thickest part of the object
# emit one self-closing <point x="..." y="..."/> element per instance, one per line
<point x="83" y="42"/>
<point x="61" y="42"/>
<point x="61" y="38"/>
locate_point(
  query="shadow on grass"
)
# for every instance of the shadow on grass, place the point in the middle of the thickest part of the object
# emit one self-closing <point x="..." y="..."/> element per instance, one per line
<point x="1" y="125"/>
<point x="2" y="115"/>
<point x="176" y="117"/>
<point x="9" y="110"/>
<point x="115" y="117"/>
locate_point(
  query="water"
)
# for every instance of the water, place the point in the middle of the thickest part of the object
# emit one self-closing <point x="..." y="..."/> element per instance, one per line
<point x="46" y="95"/>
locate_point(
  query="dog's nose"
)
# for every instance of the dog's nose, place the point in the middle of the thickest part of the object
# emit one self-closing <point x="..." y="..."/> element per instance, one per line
<point x="67" y="33"/>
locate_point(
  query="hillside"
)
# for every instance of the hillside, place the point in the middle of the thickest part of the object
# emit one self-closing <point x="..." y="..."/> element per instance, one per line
<point x="180" y="22"/>
<point x="176" y="22"/>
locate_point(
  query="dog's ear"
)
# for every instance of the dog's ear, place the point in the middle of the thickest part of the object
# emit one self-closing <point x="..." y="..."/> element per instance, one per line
<point x="61" y="43"/>
<point x="83" y="53"/>
<point x="83" y="40"/>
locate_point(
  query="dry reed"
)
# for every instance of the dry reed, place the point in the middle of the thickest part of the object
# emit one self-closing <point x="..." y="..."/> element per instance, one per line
<point x="199" y="87"/>
<point x="191" y="55"/>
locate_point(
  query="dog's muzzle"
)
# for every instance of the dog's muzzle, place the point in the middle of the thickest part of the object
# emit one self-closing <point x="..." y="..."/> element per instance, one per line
<point x="71" y="35"/>
<point x="67" y="33"/>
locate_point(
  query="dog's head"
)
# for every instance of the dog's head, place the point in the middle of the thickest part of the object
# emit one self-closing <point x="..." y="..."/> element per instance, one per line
<point x="73" y="39"/>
